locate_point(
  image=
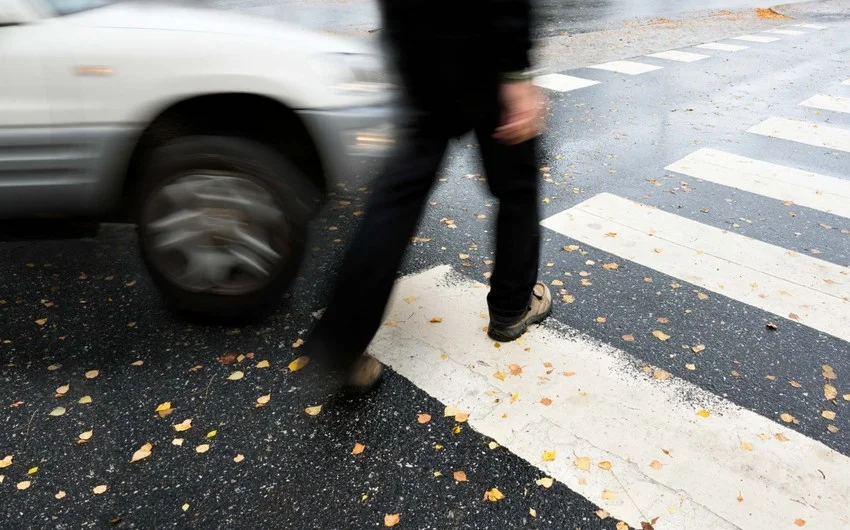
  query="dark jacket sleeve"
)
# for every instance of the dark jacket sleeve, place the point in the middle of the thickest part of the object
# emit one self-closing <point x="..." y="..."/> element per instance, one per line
<point x="511" y="22"/>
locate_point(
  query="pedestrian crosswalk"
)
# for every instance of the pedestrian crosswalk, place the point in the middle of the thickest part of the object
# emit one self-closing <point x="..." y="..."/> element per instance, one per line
<point x="676" y="55"/>
<point x="626" y="67"/>
<point x="805" y="133"/>
<point x="719" y="46"/>
<point x="833" y="103"/>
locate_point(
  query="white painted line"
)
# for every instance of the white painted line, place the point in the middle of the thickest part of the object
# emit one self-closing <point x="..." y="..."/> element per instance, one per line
<point x="722" y="47"/>
<point x="609" y="411"/>
<point x="756" y="38"/>
<point x="627" y="67"/>
<point x="810" y="26"/>
<point x="682" y="57"/>
<point x="786" y="32"/>
<point x="846" y="82"/>
<point x="834" y="103"/>
<point x="562" y="83"/>
<point x="804" y="188"/>
<point x="765" y="276"/>
<point x="805" y="133"/>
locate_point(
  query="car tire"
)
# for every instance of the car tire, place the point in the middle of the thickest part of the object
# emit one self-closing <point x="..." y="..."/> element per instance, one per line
<point x="222" y="224"/>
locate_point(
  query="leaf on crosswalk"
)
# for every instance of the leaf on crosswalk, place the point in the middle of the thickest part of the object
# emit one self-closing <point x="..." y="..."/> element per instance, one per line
<point x="583" y="463"/>
<point x="703" y="413"/>
<point x="602" y="514"/>
<point x="800" y="522"/>
<point x="515" y="369"/>
<point x="656" y="465"/>
<point x="746" y="446"/>
<point x="545" y="401"/>
<point x="609" y="495"/>
<point x="548" y="456"/>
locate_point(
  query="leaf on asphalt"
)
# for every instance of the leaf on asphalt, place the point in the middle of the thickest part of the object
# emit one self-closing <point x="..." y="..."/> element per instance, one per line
<point x="546" y="482"/>
<point x="493" y="445"/>
<point x="515" y="369"/>
<point x="54" y="367"/>
<point x="557" y="283"/>
<point x="421" y="240"/>
<point x="85" y="437"/>
<point x="62" y="390"/>
<point x="212" y="433"/>
<point x="298" y="363"/>
<point x="24" y="484"/>
<point x="263" y="364"/>
<point x="423" y="418"/>
<point x="828" y="372"/>
<point x="608" y="495"/>
<point x="828" y="414"/>
<point x="629" y="338"/>
<point x="391" y="519"/>
<point x="703" y="413"/>
<point x="236" y="376"/>
<point x="661" y="374"/>
<point x="548" y="456"/>
<point x="313" y="411"/>
<point x="771" y="326"/>
<point x="621" y="525"/>
<point x="58" y="411"/>
<point x="601" y="320"/>
<point x="583" y="463"/>
<point x="846" y="397"/>
<point x="32" y="470"/>
<point x="781" y="437"/>
<point x="545" y="401"/>
<point x="6" y="461"/>
<point x="829" y="391"/>
<point x="832" y="428"/>
<point x="164" y="409"/>
<point x="602" y="514"/>
<point x="702" y="296"/>
<point x="795" y="384"/>
<point x="298" y="343"/>
<point x="462" y="417"/>
<point x="99" y="490"/>
<point x="91" y="374"/>
<point x="456" y="429"/>
<point x="610" y="266"/>
<point x="203" y="448"/>
<point x="675" y="285"/>
<point x="463" y="256"/>
<point x="358" y="448"/>
<point x="746" y="446"/>
<point x="238" y="458"/>
<point x="459" y="476"/>
<point x="662" y="320"/>
<point x="60" y="495"/>
<point x="451" y="410"/>
<point x="137" y="363"/>
<point x="660" y="335"/>
<point x="568" y="299"/>
<point x="493" y="495"/>
<point x="787" y="418"/>
<point x="698" y="348"/>
<point x="262" y="401"/>
<point x="143" y="452"/>
<point x="177" y="441"/>
<point x="532" y="512"/>
<point x="571" y="248"/>
<point x="586" y="283"/>
<point x="184" y="425"/>
<point x="41" y="321"/>
<point x="691" y="366"/>
<point x="606" y="465"/>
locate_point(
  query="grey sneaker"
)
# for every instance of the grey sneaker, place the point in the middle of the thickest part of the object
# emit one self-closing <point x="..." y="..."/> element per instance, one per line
<point x="539" y="308"/>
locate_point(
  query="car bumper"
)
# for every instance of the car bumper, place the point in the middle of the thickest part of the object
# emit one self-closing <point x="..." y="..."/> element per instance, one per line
<point x="352" y="142"/>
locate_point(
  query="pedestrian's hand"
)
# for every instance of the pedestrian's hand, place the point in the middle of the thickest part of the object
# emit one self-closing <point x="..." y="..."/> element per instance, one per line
<point x="522" y="113"/>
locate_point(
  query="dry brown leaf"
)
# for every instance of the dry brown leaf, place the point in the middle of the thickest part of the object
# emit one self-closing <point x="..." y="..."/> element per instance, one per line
<point x="99" y="490"/>
<point x="771" y="326"/>
<point x="545" y="401"/>
<point x="698" y="348"/>
<point x="459" y="476"/>
<point x="85" y="436"/>
<point x="583" y="463"/>
<point x="298" y="363"/>
<point x="236" y="376"/>
<point x="829" y="391"/>
<point x="548" y="456"/>
<point x="568" y="299"/>
<point x="832" y="428"/>
<point x="313" y="411"/>
<point x="184" y="425"/>
<point x="391" y="519"/>
<point x="781" y="437"/>
<point x="660" y="335"/>
<point x="436" y="320"/>
<point x="800" y="522"/>
<point x="41" y="321"/>
<point x="661" y="374"/>
<point x="828" y="414"/>
<point x="828" y="372"/>
<point x="358" y="448"/>
<point x="604" y="464"/>
<point x="91" y="374"/>
<point x="602" y="514"/>
<point x="629" y="338"/>
<point x="610" y="266"/>
<point x="451" y="410"/>
<point x="143" y="452"/>
<point x="656" y="465"/>
<point x="787" y="418"/>
<point x="203" y="448"/>
<point x="493" y="495"/>
<point x="608" y="495"/>
<point x="795" y="384"/>
<point x="515" y="369"/>
<point x="702" y="296"/>
<point x="462" y="417"/>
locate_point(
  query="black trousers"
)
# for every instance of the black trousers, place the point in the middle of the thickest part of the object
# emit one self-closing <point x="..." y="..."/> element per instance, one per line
<point x="391" y="216"/>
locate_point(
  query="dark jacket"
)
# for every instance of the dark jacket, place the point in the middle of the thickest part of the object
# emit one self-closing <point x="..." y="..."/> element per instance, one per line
<point x="450" y="54"/>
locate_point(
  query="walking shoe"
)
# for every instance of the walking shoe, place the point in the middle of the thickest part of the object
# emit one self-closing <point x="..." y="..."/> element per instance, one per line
<point x="539" y="308"/>
<point x="364" y="375"/>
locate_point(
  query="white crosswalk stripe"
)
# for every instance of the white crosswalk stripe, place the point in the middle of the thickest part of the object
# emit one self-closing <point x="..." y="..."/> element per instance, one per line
<point x="627" y="67"/>
<point x="791" y="285"/>
<point x="608" y="410"/>
<point x="805" y="133"/>
<point x="562" y="83"/>
<point x="722" y="47"/>
<point x="756" y="38"/>
<point x="811" y="26"/>
<point x="676" y="55"/>
<point x="846" y="82"/>
<point x="820" y="192"/>
<point x="834" y="103"/>
<point x="786" y="32"/>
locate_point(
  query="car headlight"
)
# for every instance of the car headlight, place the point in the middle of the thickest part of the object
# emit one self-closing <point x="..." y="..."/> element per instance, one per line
<point x="353" y="72"/>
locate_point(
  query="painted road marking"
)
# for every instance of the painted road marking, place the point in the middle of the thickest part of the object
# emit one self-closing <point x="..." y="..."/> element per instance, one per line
<point x="722" y="47"/>
<point x="627" y="67"/>
<point x="786" y="32"/>
<point x="804" y="133"/>
<point x="834" y="103"/>
<point x="563" y="83"/>
<point x="813" y="292"/>
<point x="820" y="192"/>
<point x="682" y="57"/>
<point x="756" y="38"/>
<point x="810" y="26"/>
<point x="665" y="460"/>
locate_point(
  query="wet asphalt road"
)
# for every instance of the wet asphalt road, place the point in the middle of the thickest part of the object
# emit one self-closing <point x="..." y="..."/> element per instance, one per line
<point x="68" y="307"/>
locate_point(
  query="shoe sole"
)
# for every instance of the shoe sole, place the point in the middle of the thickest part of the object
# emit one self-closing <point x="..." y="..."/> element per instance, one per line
<point x="511" y="335"/>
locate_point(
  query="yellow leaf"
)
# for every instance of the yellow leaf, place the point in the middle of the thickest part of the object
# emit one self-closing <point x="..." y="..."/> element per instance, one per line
<point x="163" y="406"/>
<point x="459" y="476"/>
<point x="787" y="418"/>
<point x="546" y="482"/>
<point x="532" y="512"/>
<point x="391" y="519"/>
<point x="438" y="474"/>
<point x="238" y="458"/>
<point x="660" y="335"/>
<point x="622" y="526"/>
<point x="698" y="348"/>
<point x="32" y="470"/>
<point x="7" y="461"/>
<point x="832" y="428"/>
<point x="601" y="320"/>
<point x="456" y="429"/>
<point x="98" y="490"/>
<point x="781" y="437"/>
<point x="137" y="363"/>
<point x="263" y="364"/>
<point x="60" y="495"/>
<point x="236" y="376"/>
<point x="24" y="484"/>
<point x="703" y="413"/>
<point x="829" y="391"/>
<point x="608" y="495"/>
<point x="583" y="463"/>
<point x="313" y="411"/>
<point x="500" y="376"/>
<point x="463" y="256"/>
<point x="410" y="299"/>
<point x="63" y="389"/>
<point x="691" y="366"/>
<point x="462" y="417"/>
<point x="212" y="433"/>
<point x="493" y="495"/>
<point x="85" y="400"/>
<point x="557" y="283"/>
<point x="91" y="374"/>
<point x="185" y="507"/>
<point x="602" y="514"/>
<point x="263" y="400"/>
<point x="514" y="397"/>
<point x="143" y="452"/>
<point x="298" y="343"/>
<point x="58" y="411"/>
<point x="661" y="374"/>
<point x="203" y="448"/>
<point x="548" y="456"/>
<point x="298" y="363"/>
<point x="493" y="445"/>
<point x="451" y="411"/>
<point x="610" y="266"/>
<point x="828" y="372"/>
<point x="846" y="397"/>
<point x="177" y="441"/>
<point x="828" y="414"/>
<point x="606" y="465"/>
<point x="746" y="446"/>
<point x="184" y="425"/>
<point x="515" y="369"/>
<point x="358" y="448"/>
<point x="568" y="299"/>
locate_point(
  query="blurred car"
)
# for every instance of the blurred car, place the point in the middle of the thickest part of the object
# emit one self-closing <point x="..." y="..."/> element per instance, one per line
<point x="217" y="133"/>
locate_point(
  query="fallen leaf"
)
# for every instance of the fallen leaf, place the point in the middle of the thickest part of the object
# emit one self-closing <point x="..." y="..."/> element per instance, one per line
<point x="238" y="458"/>
<point x="787" y="418"/>
<point x="545" y="401"/>
<point x="456" y="429"/>
<point x="532" y="512"/>
<point x="262" y="401"/>
<point x="660" y="335"/>
<point x="662" y="320"/>
<point x="781" y="437"/>
<point x="358" y="448"/>
<point x="746" y="446"/>
<point x="832" y="428"/>
<point x="58" y="411"/>
<point x="601" y="320"/>
<point x="691" y="366"/>
<point x="85" y="436"/>
<point x="661" y="374"/>
<point x="298" y="363"/>
<point x="60" y="495"/>
<point x="608" y="495"/>
<point x="568" y="299"/>
<point x="184" y="425"/>
<point x="298" y="343"/>
<point x="568" y="374"/>
<point x="435" y="320"/>
<point x="24" y="484"/>
<point x="702" y="296"/>
<point x="621" y="526"/>
<point x="263" y="364"/>
<point x="98" y="490"/>
<point x="493" y="495"/>
<point x="203" y="448"/>
<point x="410" y="299"/>
<point x="459" y="476"/>
<point x="610" y="266"/>
<point x="771" y="326"/>
<point x="212" y="433"/>
<point x="91" y="374"/>
<point x="557" y="283"/>
<point x="462" y="417"/>
<point x="391" y="519"/>
<point x="463" y="256"/>
<point x="236" y="376"/>
<point x="828" y="414"/>
<point x="703" y="413"/>
<point x="143" y="452"/>
<point x="629" y="338"/>
<point x="185" y="507"/>
<point x="500" y="375"/>
<point x="548" y="456"/>
<point x="585" y="282"/>
<point x="451" y="410"/>
<point x="829" y="391"/>
<point x="795" y="384"/>
<point x="41" y="321"/>
<point x="656" y="465"/>
<point x="583" y="463"/>
<point x="177" y="441"/>
<point x="602" y="514"/>
<point x="800" y="522"/>
<point x="546" y="482"/>
<point x="313" y="411"/>
<point x="846" y="397"/>
<point x="162" y="407"/>
<point x="32" y="470"/>
<point x="828" y="372"/>
<point x="698" y="348"/>
<point x="515" y="369"/>
<point x="137" y="363"/>
<point x="514" y="397"/>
